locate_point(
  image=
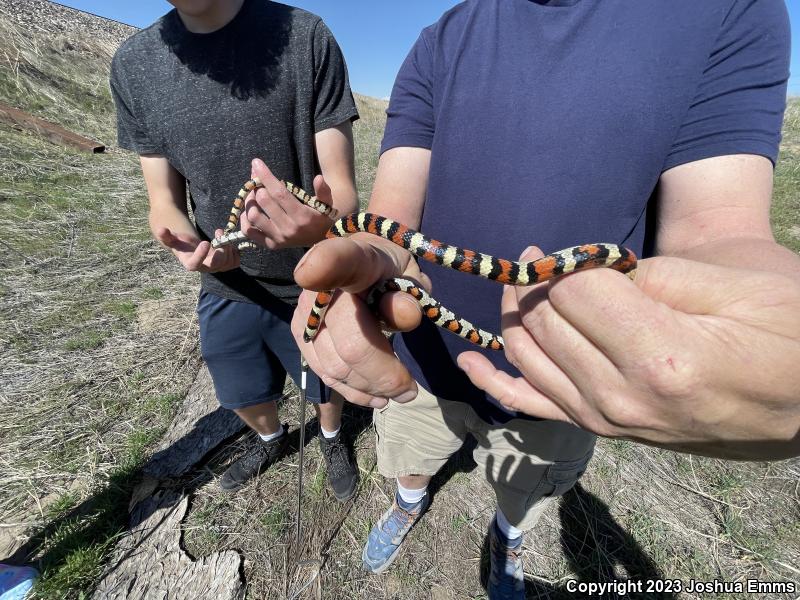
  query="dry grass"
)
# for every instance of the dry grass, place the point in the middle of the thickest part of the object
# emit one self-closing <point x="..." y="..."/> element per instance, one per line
<point x="85" y="388"/>
<point x="98" y="342"/>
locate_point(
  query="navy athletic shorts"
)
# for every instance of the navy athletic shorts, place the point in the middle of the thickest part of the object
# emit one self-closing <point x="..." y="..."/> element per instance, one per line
<point x="249" y="348"/>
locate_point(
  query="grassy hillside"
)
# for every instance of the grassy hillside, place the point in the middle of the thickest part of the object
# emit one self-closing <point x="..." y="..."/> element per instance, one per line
<point x="98" y="343"/>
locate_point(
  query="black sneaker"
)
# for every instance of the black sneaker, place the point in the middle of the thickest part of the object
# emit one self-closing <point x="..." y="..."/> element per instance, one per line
<point x="342" y="470"/>
<point x="258" y="458"/>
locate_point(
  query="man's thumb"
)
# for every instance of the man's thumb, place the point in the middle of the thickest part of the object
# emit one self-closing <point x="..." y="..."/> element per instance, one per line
<point x="322" y="190"/>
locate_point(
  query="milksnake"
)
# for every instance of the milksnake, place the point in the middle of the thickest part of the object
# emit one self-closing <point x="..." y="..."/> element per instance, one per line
<point x="229" y="236"/>
<point x="509" y="272"/>
<point x="550" y="266"/>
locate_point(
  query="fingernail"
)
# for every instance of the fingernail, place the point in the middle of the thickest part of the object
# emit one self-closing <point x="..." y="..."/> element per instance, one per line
<point x="406" y="396"/>
<point x="529" y="252"/>
<point x="302" y="260"/>
<point x="376" y="402"/>
<point x="409" y="301"/>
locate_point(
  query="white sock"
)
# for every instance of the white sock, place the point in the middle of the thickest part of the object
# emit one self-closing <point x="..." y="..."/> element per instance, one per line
<point x="411" y="496"/>
<point x="272" y="436"/>
<point x="329" y="435"/>
<point x="510" y="532"/>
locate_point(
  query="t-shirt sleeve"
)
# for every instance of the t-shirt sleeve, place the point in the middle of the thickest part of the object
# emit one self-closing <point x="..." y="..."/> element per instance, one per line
<point x="739" y="104"/>
<point x="410" y="117"/>
<point x="334" y="103"/>
<point x="131" y="134"/>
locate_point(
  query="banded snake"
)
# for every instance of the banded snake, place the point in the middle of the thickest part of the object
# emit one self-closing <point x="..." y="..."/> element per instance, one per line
<point x="550" y="266"/>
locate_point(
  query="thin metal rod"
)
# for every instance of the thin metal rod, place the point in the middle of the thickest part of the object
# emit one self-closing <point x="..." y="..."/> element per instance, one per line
<point x="301" y="451"/>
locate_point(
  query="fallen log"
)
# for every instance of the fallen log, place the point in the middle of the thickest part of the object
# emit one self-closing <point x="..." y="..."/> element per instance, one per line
<point x="149" y="564"/>
<point x="200" y="426"/>
<point x="51" y="131"/>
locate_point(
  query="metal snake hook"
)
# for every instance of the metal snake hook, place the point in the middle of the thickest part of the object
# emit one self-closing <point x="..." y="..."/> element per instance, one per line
<point x="300" y="453"/>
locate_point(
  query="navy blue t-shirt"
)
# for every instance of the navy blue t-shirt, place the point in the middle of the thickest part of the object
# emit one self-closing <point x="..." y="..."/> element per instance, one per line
<point x="550" y="123"/>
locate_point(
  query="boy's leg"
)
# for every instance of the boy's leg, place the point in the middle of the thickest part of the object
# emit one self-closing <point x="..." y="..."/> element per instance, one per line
<point x="414" y="441"/>
<point x="329" y="414"/>
<point x="261" y="418"/>
<point x="529" y="464"/>
<point x="248" y="379"/>
<point x="341" y="466"/>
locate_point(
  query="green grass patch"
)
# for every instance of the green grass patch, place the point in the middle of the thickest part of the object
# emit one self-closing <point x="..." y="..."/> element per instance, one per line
<point x="62" y="504"/>
<point x="86" y="340"/>
<point x="122" y="309"/>
<point x="152" y="293"/>
<point x="74" y="549"/>
<point x="275" y="521"/>
<point x="458" y="522"/>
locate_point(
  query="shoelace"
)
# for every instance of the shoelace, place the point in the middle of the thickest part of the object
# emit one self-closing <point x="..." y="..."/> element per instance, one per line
<point x="399" y="518"/>
<point x="509" y="557"/>
<point x="336" y="450"/>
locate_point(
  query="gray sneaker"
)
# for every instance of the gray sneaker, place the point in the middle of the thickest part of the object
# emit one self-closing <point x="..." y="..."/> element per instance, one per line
<point x="386" y="536"/>
<point x="506" y="576"/>
<point x="259" y="456"/>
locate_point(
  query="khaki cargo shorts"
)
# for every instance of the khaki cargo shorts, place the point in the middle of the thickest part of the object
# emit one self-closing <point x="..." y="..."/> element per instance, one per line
<point x="528" y="463"/>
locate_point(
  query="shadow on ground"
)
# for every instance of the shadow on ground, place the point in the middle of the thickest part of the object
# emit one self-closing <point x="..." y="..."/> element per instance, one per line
<point x="597" y="549"/>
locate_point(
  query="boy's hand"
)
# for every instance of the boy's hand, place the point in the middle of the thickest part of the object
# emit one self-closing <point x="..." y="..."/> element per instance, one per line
<point x="196" y="255"/>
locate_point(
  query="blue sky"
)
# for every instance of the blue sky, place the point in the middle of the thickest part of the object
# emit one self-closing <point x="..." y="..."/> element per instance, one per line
<point x="375" y="35"/>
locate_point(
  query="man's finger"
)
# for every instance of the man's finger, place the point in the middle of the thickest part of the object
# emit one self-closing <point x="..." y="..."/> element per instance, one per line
<point x="260" y="169"/>
<point x="356" y="338"/>
<point x="399" y="311"/>
<point x="253" y="231"/>
<point x="345" y="264"/>
<point x="513" y="392"/>
<point x="363" y="359"/>
<point x="180" y="242"/>
<point x="612" y="313"/>
<point x="350" y="394"/>
<point x="164" y="235"/>
<point x="524" y="352"/>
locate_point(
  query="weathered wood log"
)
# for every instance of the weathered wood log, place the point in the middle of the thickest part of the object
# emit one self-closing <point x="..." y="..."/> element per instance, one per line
<point x="199" y="427"/>
<point x="150" y="564"/>
<point x="54" y="133"/>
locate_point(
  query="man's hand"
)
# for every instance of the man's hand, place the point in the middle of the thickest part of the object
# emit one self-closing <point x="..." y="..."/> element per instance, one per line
<point x="195" y="255"/>
<point x="350" y="353"/>
<point x="274" y="218"/>
<point x="692" y="357"/>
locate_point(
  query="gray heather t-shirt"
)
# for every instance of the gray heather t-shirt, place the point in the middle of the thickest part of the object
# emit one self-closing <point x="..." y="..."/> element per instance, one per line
<point x="259" y="87"/>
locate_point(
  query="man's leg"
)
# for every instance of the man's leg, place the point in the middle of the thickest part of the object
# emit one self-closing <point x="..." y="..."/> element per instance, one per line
<point x="529" y="464"/>
<point x="414" y="441"/>
<point x="248" y="379"/>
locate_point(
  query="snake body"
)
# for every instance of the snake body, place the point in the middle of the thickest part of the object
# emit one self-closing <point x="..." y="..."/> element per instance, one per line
<point x="569" y="260"/>
<point x="509" y="272"/>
